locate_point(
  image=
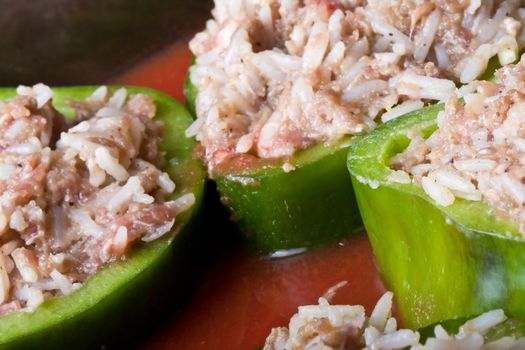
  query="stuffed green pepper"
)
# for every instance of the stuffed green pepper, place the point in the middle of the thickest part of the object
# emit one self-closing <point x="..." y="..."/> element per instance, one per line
<point x="347" y="327"/>
<point x="97" y="187"/>
<point x="441" y="194"/>
<point x="281" y="87"/>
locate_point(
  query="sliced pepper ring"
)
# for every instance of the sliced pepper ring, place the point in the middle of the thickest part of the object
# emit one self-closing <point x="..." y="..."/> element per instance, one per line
<point x="277" y="210"/>
<point x="120" y="293"/>
<point x="311" y="205"/>
<point x="441" y="262"/>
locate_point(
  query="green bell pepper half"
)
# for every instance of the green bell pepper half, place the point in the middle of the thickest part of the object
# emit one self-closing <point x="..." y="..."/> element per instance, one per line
<point x="278" y="210"/>
<point x="440" y="262"/>
<point x="121" y="293"/>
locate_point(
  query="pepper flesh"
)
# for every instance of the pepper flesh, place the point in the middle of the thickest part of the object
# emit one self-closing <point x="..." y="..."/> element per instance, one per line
<point x="190" y="91"/>
<point x="311" y="205"/>
<point x="441" y="262"/>
<point x="277" y="210"/>
<point x="118" y="294"/>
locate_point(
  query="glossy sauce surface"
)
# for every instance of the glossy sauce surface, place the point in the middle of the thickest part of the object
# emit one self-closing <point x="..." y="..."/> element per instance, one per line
<point x="243" y="295"/>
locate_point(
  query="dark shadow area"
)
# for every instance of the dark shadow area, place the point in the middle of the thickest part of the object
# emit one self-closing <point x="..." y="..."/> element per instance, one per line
<point x="74" y="42"/>
<point x="194" y="257"/>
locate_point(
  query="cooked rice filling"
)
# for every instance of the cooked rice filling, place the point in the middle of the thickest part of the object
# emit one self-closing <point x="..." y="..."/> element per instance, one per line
<point x="331" y="327"/>
<point x="277" y="76"/>
<point x="478" y="151"/>
<point x="76" y="197"/>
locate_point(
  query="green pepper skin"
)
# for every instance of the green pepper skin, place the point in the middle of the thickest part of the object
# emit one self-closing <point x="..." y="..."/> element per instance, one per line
<point x="513" y="327"/>
<point x="308" y="206"/>
<point x="190" y="92"/>
<point x="440" y="262"/>
<point x="276" y="210"/>
<point x="107" y="306"/>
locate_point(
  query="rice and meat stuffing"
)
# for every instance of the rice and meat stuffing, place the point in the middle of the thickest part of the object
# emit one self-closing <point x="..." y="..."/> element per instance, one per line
<point x="277" y="76"/>
<point x="331" y="327"/>
<point x="478" y="151"/>
<point x="75" y="194"/>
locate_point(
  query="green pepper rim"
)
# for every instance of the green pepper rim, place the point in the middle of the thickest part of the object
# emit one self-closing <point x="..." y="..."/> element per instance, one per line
<point x="183" y="168"/>
<point x="261" y="168"/>
<point x="289" y="218"/>
<point x="265" y="167"/>
<point x="368" y="163"/>
<point x="190" y="90"/>
<point x="441" y="262"/>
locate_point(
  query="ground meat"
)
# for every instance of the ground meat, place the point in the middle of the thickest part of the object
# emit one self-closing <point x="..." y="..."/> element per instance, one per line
<point x="276" y="77"/>
<point x="345" y="327"/>
<point x="71" y="204"/>
<point x="477" y="152"/>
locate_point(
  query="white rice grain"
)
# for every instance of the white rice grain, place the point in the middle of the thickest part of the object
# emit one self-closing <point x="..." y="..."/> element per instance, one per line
<point x="371" y="335"/>
<point x="316" y="46"/>
<point x="504" y="343"/>
<point x="419" y="86"/>
<point x="26" y="264"/>
<point x="158" y="231"/>
<point x="441" y="333"/>
<point x="474" y="165"/>
<point x="99" y="94"/>
<point x="397" y="340"/>
<point x="515" y="189"/>
<point x="363" y="90"/>
<point x="483" y="323"/>
<point x="5" y="284"/>
<point x="391" y="325"/>
<point x="474" y="341"/>
<point x="508" y="50"/>
<point x="401" y="109"/>
<point x="117" y="100"/>
<point x="381" y="312"/>
<point x="454" y="181"/>
<point x="110" y="164"/>
<point x="183" y="203"/>
<point x="33" y="297"/>
<point x="63" y="283"/>
<point x="437" y="192"/>
<point x="43" y="94"/>
<point x="475" y="65"/>
<point x="399" y="176"/>
<point x="381" y="26"/>
<point x="427" y="35"/>
<point x="125" y="193"/>
<point x="164" y="182"/>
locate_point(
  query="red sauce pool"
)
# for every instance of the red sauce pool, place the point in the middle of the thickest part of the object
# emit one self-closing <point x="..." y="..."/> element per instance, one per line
<point x="166" y="71"/>
<point x="244" y="295"/>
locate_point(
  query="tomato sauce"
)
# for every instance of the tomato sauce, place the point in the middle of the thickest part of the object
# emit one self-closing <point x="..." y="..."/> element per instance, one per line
<point x="166" y="71"/>
<point x="244" y="294"/>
